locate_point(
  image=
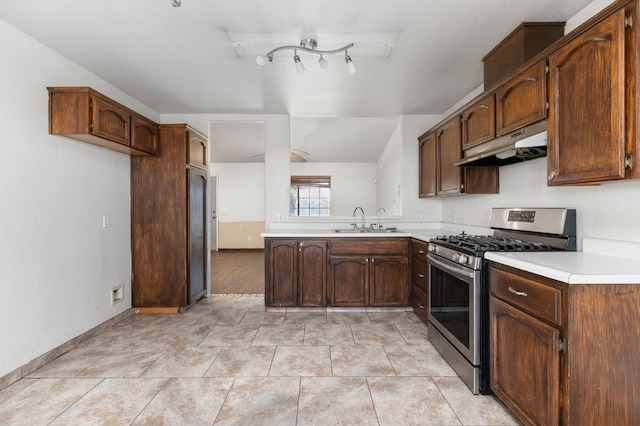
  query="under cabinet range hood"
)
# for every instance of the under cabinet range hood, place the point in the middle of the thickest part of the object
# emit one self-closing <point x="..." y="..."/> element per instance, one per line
<point x="525" y="144"/>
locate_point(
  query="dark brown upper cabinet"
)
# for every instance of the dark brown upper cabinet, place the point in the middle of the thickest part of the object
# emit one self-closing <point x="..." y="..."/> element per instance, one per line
<point x="522" y="100"/>
<point x="479" y="122"/>
<point x="449" y="151"/>
<point x="86" y="115"/>
<point x="427" y="154"/>
<point x="587" y="84"/>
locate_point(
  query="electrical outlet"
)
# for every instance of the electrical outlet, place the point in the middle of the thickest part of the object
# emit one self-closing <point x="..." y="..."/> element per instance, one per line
<point x="106" y="221"/>
<point x="117" y="294"/>
<point x="424" y="217"/>
<point x="248" y="237"/>
<point x="278" y="217"/>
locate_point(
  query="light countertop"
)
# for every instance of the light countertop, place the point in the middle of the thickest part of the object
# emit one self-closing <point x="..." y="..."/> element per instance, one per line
<point x="420" y="234"/>
<point x="589" y="266"/>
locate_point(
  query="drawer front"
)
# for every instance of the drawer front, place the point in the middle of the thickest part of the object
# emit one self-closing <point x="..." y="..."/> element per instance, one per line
<point x="419" y="249"/>
<point x="420" y="303"/>
<point x="420" y="275"/>
<point x="538" y="299"/>
<point x="367" y="246"/>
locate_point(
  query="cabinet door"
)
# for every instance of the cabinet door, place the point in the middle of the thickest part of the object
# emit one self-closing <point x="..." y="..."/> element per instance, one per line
<point x="282" y="273"/>
<point x="109" y="121"/>
<point x="312" y="272"/>
<point x="197" y="240"/>
<point x="427" y="165"/>
<point x="144" y="135"/>
<point x="197" y="146"/>
<point x="389" y="281"/>
<point x="525" y="363"/>
<point x="479" y="122"/>
<point x="522" y="100"/>
<point x="449" y="152"/>
<point x="586" y="140"/>
<point x="349" y="281"/>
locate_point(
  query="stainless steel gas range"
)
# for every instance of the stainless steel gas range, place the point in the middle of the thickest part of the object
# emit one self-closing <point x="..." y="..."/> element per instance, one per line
<point x="458" y="285"/>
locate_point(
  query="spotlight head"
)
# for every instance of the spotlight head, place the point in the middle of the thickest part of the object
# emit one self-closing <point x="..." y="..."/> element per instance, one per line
<point x="323" y="62"/>
<point x="351" y="67"/>
<point x="264" y="60"/>
<point x="176" y="3"/>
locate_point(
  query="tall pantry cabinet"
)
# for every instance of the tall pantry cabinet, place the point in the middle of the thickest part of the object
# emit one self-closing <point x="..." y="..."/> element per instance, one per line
<point x="168" y="222"/>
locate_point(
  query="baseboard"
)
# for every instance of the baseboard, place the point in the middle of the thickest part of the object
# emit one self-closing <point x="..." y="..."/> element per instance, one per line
<point x="54" y="353"/>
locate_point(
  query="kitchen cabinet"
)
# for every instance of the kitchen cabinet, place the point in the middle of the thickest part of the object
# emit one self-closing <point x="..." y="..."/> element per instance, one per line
<point x="591" y="133"/>
<point x="84" y="114"/>
<point x="564" y="353"/>
<point x="522" y="99"/>
<point x="428" y="164"/>
<point x="420" y="279"/>
<point x="168" y="225"/>
<point x="369" y="272"/>
<point x="479" y="122"/>
<point x="439" y="150"/>
<point x="296" y="272"/>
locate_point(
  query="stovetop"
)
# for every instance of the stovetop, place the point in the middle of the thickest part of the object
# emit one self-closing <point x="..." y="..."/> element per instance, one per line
<point x="478" y="244"/>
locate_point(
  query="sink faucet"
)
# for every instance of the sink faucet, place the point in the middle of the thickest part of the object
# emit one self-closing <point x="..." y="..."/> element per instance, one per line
<point x="379" y="224"/>
<point x="354" y="215"/>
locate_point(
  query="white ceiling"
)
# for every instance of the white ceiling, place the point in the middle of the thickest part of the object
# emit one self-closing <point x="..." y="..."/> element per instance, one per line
<point x="183" y="60"/>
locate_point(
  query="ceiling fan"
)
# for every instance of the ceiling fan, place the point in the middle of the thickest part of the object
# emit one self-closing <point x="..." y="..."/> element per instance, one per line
<point x="294" y="154"/>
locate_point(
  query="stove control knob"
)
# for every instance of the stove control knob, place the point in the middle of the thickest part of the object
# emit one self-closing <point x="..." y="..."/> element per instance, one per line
<point x="463" y="259"/>
<point x="432" y="248"/>
<point x="455" y="257"/>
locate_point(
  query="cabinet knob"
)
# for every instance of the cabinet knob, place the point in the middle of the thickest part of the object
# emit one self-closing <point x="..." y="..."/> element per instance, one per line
<point x="551" y="176"/>
<point x="420" y="305"/>
<point x="421" y="251"/>
<point x="421" y="275"/>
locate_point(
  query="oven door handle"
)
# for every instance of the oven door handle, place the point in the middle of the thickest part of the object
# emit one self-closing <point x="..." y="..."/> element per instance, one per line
<point x="449" y="268"/>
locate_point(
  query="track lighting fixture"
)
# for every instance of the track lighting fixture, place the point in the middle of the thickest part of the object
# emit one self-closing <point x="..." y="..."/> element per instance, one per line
<point x="176" y="3"/>
<point x="308" y="45"/>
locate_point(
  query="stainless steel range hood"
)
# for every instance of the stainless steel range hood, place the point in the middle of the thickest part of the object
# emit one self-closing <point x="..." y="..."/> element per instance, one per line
<point x="525" y="144"/>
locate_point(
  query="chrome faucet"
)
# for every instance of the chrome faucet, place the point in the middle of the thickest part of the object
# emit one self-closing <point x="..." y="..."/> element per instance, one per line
<point x="354" y="215"/>
<point x="379" y="224"/>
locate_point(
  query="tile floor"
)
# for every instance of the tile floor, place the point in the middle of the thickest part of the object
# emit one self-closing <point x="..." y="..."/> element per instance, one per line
<point x="228" y="361"/>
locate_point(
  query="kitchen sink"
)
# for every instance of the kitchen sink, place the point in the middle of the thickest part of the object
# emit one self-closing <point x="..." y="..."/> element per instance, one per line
<point x="365" y="231"/>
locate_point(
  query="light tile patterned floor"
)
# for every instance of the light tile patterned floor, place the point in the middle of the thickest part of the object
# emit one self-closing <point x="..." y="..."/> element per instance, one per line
<point x="228" y="361"/>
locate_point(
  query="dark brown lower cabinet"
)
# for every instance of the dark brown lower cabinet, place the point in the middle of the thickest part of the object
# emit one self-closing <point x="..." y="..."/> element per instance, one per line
<point x="564" y="353"/>
<point x="295" y="272"/>
<point x="345" y="272"/>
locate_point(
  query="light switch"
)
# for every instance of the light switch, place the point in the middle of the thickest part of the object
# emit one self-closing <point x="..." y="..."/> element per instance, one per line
<point x="106" y="221"/>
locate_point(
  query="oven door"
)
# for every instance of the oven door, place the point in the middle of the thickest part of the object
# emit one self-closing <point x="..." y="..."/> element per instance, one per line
<point x="454" y="305"/>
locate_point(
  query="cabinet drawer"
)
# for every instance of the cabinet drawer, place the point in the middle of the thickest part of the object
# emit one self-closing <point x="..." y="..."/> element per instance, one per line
<point x="370" y="246"/>
<point x="420" y="303"/>
<point x="419" y="249"/>
<point x="420" y="275"/>
<point x="538" y="299"/>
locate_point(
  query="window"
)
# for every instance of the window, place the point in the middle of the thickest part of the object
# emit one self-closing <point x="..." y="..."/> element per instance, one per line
<point x="310" y="196"/>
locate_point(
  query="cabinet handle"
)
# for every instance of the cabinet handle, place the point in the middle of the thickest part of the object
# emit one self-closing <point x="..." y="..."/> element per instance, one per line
<point x="421" y="251"/>
<point x="518" y="293"/>
<point x="421" y="275"/>
<point x="420" y="305"/>
<point x="551" y="176"/>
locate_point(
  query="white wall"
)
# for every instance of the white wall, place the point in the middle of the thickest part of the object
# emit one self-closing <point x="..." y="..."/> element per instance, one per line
<point x="240" y="191"/>
<point x="57" y="263"/>
<point x="352" y="185"/>
<point x="389" y="187"/>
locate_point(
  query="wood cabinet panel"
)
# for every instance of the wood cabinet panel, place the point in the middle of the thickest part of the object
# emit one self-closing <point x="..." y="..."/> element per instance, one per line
<point x="197" y="149"/>
<point x="449" y="144"/>
<point x="109" y="121"/>
<point x="479" y="122"/>
<point x="144" y="134"/>
<point x="349" y="281"/>
<point x="369" y="246"/>
<point x="420" y="274"/>
<point x="388" y="281"/>
<point x="282" y="270"/>
<point x="522" y="100"/>
<point x="419" y="249"/>
<point x="586" y="128"/>
<point x="525" y="363"/>
<point x="312" y="272"/>
<point x="428" y="163"/>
